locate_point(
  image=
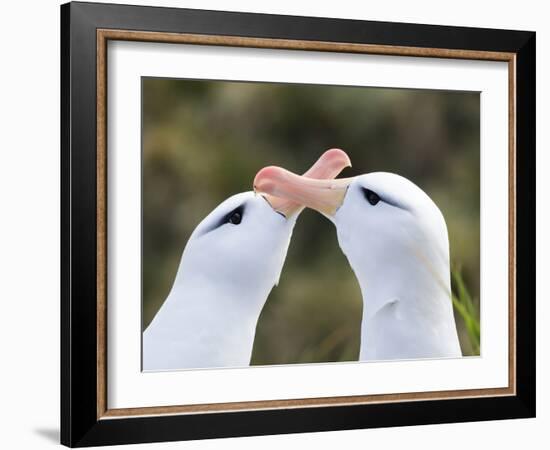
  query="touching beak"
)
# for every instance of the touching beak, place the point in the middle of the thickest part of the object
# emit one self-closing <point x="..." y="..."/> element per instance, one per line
<point x="327" y="167"/>
<point x="325" y="196"/>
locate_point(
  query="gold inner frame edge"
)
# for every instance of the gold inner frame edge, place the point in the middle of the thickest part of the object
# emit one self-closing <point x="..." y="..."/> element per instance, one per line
<point x="103" y="36"/>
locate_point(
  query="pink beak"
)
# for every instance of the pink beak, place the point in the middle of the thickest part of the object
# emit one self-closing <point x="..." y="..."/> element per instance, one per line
<point x="284" y="190"/>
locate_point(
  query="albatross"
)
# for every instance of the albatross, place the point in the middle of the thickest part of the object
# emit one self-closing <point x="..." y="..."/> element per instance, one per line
<point x="230" y="263"/>
<point x="395" y="239"/>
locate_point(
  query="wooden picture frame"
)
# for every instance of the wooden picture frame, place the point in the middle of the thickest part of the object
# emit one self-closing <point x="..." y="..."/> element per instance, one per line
<point x="86" y="418"/>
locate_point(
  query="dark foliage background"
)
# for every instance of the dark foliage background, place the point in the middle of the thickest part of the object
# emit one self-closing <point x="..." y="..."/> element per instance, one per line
<point x="205" y="140"/>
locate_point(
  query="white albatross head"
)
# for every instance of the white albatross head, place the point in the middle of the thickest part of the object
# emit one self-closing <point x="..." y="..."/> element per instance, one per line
<point x="395" y="239"/>
<point x="242" y="243"/>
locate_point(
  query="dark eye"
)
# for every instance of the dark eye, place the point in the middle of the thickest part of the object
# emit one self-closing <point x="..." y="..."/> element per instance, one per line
<point x="235" y="218"/>
<point x="371" y="196"/>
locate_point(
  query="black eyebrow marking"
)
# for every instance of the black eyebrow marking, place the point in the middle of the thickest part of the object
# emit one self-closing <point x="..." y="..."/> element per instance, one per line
<point x="239" y="209"/>
<point x="384" y="199"/>
<point x="225" y="219"/>
<point x="394" y="203"/>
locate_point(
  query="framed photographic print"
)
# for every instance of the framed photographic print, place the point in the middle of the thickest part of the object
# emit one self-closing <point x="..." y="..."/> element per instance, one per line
<point x="276" y="224"/>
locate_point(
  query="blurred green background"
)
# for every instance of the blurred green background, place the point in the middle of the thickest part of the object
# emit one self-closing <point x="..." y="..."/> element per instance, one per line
<point x="204" y="141"/>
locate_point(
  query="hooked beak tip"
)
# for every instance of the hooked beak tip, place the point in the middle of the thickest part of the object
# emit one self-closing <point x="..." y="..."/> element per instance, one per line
<point x="337" y="157"/>
<point x="287" y="192"/>
<point x="266" y="179"/>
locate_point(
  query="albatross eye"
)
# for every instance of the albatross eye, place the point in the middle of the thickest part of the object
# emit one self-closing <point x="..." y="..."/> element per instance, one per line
<point x="371" y="196"/>
<point x="235" y="218"/>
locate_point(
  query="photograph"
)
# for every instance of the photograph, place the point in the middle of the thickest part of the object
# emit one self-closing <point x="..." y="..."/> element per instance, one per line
<point x="289" y="223"/>
<point x="277" y="223"/>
